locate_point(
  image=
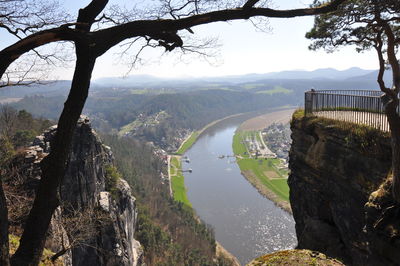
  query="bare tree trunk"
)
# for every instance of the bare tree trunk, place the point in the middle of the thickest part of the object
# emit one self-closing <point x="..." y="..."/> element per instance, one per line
<point x="392" y="106"/>
<point x="4" y="248"/>
<point x="391" y="109"/>
<point x="396" y="168"/>
<point x="54" y="165"/>
<point x="394" y="123"/>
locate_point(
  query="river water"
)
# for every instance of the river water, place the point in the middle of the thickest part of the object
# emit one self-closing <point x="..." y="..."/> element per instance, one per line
<point x="247" y="224"/>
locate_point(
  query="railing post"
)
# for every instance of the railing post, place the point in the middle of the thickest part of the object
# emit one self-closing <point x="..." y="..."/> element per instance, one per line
<point x="308" y="102"/>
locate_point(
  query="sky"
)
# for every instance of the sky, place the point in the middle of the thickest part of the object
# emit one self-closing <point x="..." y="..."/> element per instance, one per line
<point x="243" y="49"/>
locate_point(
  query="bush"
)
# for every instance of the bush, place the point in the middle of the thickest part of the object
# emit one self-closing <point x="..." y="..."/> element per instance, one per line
<point x="6" y="151"/>
<point x="112" y="177"/>
<point x="23" y="137"/>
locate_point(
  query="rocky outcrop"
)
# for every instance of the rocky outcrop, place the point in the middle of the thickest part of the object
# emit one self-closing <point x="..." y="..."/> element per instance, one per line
<point x="109" y="217"/>
<point x="334" y="169"/>
<point x="295" y="257"/>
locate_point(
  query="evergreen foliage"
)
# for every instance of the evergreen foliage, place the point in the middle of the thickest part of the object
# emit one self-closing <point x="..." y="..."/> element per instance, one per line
<point x="112" y="177"/>
<point x="17" y="129"/>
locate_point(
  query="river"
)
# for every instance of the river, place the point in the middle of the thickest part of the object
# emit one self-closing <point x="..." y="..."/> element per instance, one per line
<point x="247" y="224"/>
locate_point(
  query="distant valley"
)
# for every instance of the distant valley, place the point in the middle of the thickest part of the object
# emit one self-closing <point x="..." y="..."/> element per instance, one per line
<point x="145" y="119"/>
<point x="328" y="78"/>
<point x="132" y="106"/>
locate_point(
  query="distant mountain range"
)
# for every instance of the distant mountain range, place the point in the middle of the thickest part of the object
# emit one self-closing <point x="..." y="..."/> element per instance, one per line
<point x="320" y="74"/>
<point x="373" y="76"/>
<point x="323" y="73"/>
<point x="321" y="78"/>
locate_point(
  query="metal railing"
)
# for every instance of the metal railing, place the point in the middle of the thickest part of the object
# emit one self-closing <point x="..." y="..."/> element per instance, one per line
<point x="357" y="106"/>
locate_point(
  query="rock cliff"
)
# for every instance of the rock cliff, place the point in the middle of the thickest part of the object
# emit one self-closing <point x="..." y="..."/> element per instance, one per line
<point x="96" y="220"/>
<point x="339" y="191"/>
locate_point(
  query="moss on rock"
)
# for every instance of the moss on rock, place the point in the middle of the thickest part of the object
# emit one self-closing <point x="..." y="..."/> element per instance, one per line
<point x="46" y="256"/>
<point x="295" y="257"/>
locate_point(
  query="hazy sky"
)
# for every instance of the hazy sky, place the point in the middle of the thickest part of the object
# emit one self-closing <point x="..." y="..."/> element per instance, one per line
<point x="243" y="50"/>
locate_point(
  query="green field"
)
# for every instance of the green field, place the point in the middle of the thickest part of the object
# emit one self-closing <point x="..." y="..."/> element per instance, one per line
<point x="277" y="185"/>
<point x="238" y="147"/>
<point x="128" y="128"/>
<point x="276" y="89"/>
<point x="188" y="143"/>
<point x="178" y="182"/>
<point x="261" y="168"/>
<point x="252" y="86"/>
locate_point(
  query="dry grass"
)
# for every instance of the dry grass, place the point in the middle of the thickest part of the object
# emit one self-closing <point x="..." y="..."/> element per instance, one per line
<point x="346" y="127"/>
<point x="263" y="121"/>
<point x="9" y="100"/>
<point x="271" y="175"/>
<point x="295" y="257"/>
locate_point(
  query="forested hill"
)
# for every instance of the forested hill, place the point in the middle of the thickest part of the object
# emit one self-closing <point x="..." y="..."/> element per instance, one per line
<point x="190" y="109"/>
<point x="164" y="115"/>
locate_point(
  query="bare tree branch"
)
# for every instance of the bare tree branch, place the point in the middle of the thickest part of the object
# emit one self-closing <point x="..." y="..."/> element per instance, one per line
<point x="23" y="17"/>
<point x="250" y="4"/>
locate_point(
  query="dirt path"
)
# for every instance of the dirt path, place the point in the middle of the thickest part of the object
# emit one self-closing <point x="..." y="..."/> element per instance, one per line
<point x="263" y="121"/>
<point x="266" y="149"/>
<point x="169" y="175"/>
<point x="9" y="100"/>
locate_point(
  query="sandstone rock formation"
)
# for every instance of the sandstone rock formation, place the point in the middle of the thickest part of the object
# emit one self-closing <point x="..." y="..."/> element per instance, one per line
<point x="112" y="241"/>
<point x="334" y="170"/>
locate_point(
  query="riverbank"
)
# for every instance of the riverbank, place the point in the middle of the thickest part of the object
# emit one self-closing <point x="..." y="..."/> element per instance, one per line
<point x="256" y="162"/>
<point x="178" y="192"/>
<point x="201" y="176"/>
<point x="175" y="176"/>
<point x="222" y="252"/>
<point x="268" y="179"/>
<point x="192" y="138"/>
<point x="262" y="172"/>
<point x="177" y="180"/>
<point x="257" y="122"/>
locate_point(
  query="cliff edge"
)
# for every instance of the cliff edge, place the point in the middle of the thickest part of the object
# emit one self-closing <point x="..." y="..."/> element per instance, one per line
<point x="340" y="191"/>
<point x="96" y="221"/>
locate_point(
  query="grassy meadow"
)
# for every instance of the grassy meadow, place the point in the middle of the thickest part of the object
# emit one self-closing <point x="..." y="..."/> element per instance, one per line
<point x="178" y="181"/>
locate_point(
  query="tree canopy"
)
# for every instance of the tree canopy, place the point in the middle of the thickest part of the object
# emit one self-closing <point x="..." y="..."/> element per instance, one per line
<point x="366" y="24"/>
<point x="356" y="22"/>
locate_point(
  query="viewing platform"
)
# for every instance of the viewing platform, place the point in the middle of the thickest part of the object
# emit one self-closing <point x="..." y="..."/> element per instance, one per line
<point x="357" y="106"/>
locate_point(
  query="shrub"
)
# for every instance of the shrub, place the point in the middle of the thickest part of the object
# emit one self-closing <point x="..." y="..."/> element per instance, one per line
<point x="112" y="177"/>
